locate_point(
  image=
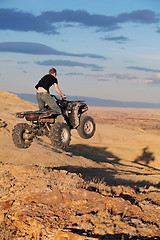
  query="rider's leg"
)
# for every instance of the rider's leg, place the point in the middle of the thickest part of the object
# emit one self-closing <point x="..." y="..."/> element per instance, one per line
<point x="41" y="103"/>
<point x="49" y="100"/>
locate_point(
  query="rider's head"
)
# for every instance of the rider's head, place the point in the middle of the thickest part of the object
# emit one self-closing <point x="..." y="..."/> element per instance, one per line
<point x="53" y="71"/>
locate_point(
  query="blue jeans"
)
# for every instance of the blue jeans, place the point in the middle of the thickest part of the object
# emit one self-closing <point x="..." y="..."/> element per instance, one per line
<point x="45" y="97"/>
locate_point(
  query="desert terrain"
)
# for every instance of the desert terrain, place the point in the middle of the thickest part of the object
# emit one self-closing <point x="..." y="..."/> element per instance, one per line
<point x="107" y="187"/>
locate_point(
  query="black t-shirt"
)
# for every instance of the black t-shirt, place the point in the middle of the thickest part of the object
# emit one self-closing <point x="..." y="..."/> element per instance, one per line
<point x="46" y="82"/>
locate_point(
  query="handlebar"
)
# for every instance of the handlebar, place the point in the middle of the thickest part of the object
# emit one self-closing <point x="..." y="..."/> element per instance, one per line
<point x="64" y="100"/>
<point x="57" y="99"/>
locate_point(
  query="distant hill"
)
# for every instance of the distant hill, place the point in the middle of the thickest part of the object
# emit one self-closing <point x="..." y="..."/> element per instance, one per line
<point x="98" y="102"/>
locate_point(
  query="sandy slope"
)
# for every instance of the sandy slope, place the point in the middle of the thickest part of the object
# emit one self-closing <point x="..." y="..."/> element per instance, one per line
<point x="110" y="154"/>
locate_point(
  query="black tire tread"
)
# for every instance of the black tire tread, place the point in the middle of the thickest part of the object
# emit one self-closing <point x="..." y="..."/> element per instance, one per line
<point x="55" y="135"/>
<point x="80" y="128"/>
<point x="17" y="135"/>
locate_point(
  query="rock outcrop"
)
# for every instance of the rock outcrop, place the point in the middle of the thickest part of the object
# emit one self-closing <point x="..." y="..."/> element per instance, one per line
<point x="43" y="203"/>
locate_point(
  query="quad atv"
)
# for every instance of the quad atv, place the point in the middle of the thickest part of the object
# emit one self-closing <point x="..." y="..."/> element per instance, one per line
<point x="45" y="123"/>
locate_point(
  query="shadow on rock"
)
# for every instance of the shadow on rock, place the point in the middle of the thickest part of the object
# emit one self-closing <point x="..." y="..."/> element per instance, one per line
<point x="110" y="166"/>
<point x="108" y="175"/>
<point x="97" y="154"/>
<point x="146" y="157"/>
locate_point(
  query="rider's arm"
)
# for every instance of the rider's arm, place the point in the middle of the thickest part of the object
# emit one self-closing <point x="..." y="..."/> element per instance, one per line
<point x="59" y="91"/>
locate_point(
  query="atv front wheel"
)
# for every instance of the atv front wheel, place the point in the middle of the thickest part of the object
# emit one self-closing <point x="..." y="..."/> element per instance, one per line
<point x="86" y="128"/>
<point x="22" y="135"/>
<point x="60" y="135"/>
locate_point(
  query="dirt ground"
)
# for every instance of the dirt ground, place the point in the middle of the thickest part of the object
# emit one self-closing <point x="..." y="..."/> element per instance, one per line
<point x="108" y="187"/>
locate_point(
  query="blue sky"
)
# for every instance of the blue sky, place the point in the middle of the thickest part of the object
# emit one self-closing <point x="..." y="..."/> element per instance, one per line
<point x="107" y="49"/>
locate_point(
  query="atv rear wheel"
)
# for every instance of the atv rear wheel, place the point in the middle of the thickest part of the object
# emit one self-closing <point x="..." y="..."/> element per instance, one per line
<point x="22" y="135"/>
<point x="60" y="135"/>
<point x="86" y="128"/>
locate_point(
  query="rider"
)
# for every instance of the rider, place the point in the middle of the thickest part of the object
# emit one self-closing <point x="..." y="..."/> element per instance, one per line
<point x="43" y="95"/>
